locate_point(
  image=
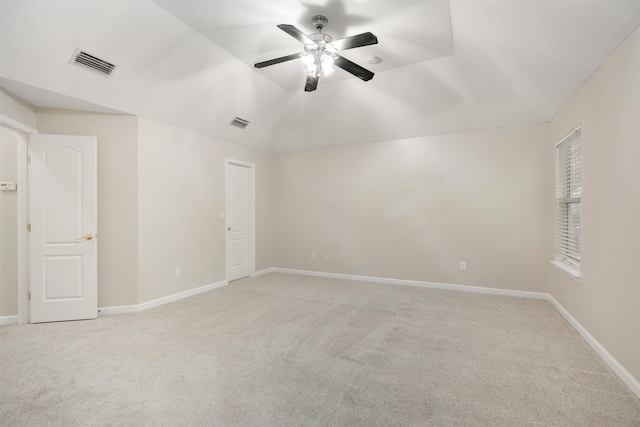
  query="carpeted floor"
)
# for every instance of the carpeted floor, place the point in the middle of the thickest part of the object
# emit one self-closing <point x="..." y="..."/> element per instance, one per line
<point x="287" y="350"/>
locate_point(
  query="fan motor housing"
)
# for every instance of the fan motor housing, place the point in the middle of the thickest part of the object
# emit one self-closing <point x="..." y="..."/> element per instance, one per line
<point x="321" y="38"/>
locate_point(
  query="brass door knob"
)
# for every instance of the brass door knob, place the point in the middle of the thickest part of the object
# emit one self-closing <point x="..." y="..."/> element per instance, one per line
<point x="87" y="237"/>
<point x="228" y="228"/>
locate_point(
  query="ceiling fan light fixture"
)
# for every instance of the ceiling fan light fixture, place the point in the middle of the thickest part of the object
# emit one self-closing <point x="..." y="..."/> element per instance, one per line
<point x="327" y="64"/>
<point x="318" y="63"/>
<point x="310" y="64"/>
<point x="318" y="57"/>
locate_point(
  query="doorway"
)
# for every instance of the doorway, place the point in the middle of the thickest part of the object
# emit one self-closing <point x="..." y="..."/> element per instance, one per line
<point x="9" y="141"/>
<point x="18" y="132"/>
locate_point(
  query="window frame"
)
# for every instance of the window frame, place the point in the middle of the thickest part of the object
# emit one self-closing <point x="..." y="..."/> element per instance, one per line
<point x="568" y="171"/>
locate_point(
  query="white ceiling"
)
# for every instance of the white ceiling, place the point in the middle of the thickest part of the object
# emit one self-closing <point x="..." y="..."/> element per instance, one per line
<point x="417" y="31"/>
<point x="449" y="66"/>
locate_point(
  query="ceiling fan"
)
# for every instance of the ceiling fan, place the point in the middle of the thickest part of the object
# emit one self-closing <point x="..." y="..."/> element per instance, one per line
<point x="321" y="52"/>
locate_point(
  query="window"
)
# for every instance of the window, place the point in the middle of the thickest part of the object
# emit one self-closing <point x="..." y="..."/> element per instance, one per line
<point x="568" y="202"/>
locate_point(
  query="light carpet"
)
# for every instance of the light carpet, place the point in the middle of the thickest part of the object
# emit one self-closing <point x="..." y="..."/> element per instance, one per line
<point x="288" y="350"/>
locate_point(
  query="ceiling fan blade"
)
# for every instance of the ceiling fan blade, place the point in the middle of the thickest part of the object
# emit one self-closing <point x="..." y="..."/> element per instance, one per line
<point x="353" y="68"/>
<point x="296" y="33"/>
<point x="278" y="60"/>
<point x="311" y="84"/>
<point x="364" y="39"/>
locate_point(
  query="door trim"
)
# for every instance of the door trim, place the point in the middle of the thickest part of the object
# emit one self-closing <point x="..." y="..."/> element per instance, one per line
<point x="23" y="132"/>
<point x="252" y="214"/>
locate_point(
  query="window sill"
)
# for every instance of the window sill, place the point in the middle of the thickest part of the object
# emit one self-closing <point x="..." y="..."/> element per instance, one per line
<point x="573" y="272"/>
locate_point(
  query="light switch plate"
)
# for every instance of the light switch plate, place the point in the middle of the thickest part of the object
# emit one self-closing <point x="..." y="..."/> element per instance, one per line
<point x="8" y="186"/>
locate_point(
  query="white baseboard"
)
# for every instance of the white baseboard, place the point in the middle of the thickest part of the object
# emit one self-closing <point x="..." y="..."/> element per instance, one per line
<point x="433" y="285"/>
<point x="160" y="301"/>
<point x="265" y="271"/>
<point x="8" y="320"/>
<point x="615" y="366"/>
<point x="118" y="309"/>
<point x="175" y="297"/>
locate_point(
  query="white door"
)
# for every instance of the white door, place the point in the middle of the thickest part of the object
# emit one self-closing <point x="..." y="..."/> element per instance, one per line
<point x="237" y="222"/>
<point x="63" y="227"/>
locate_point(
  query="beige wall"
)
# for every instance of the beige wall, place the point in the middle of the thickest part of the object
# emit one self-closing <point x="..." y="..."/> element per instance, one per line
<point x="8" y="225"/>
<point x="607" y="300"/>
<point x="17" y="109"/>
<point x="117" y="196"/>
<point x="181" y="194"/>
<point x="160" y="193"/>
<point x="413" y="209"/>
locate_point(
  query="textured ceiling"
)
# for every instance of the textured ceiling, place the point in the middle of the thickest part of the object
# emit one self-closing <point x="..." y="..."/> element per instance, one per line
<point x="449" y="66"/>
<point x="409" y="32"/>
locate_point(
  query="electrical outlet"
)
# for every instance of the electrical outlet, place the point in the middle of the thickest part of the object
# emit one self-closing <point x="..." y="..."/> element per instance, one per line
<point x="178" y="272"/>
<point x="327" y="257"/>
<point x="313" y="255"/>
<point x="463" y="266"/>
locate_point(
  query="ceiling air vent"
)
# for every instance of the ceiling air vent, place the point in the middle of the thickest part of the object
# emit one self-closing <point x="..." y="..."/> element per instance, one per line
<point x="92" y="63"/>
<point x="239" y="123"/>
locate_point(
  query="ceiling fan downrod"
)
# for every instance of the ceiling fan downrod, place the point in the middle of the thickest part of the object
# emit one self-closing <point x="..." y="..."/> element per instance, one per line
<point x="320" y="38"/>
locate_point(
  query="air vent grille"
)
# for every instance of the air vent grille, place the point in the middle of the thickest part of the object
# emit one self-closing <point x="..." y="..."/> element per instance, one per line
<point x="92" y="62"/>
<point x="239" y="123"/>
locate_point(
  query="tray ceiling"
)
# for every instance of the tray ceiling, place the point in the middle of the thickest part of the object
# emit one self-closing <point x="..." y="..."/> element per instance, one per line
<point x="449" y="66"/>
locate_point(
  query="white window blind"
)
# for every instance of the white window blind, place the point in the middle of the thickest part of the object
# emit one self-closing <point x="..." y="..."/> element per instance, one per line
<point x="568" y="198"/>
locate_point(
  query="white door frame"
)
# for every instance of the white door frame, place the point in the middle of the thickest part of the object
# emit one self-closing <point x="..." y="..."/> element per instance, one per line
<point x="252" y="214"/>
<point x="23" y="132"/>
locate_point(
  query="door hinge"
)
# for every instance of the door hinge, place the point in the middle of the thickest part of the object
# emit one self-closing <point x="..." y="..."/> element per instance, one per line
<point x="29" y="228"/>
<point x="29" y="158"/>
<point x="29" y="296"/>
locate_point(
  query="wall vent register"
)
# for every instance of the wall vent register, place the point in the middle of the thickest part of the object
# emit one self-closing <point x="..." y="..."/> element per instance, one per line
<point x="239" y="123"/>
<point x="91" y="62"/>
